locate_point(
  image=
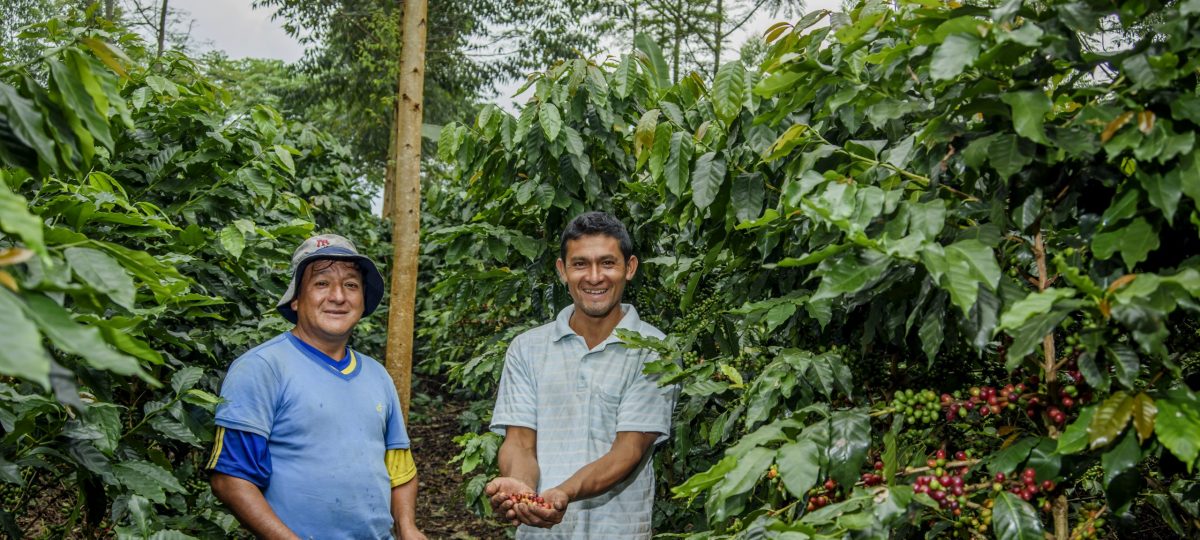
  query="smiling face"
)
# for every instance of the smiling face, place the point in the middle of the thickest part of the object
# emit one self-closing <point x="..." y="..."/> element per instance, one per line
<point x="595" y="273"/>
<point x="329" y="303"/>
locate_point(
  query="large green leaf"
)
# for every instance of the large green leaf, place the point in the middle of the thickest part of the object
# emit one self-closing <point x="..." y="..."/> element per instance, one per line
<point x="21" y="352"/>
<point x="968" y="264"/>
<point x="147" y="479"/>
<point x="1029" y="110"/>
<point x="659" y="73"/>
<point x="1120" y="472"/>
<point x="233" y="240"/>
<point x="84" y="341"/>
<point x="849" y="438"/>
<point x="799" y="466"/>
<point x="102" y="273"/>
<point x="707" y="178"/>
<point x="1133" y="241"/>
<point x="700" y="482"/>
<point x="28" y="126"/>
<point x="1177" y="424"/>
<point x="954" y="54"/>
<point x="550" y="120"/>
<point x="1035" y="304"/>
<point x="728" y="90"/>
<point x="747" y="196"/>
<point x="677" y="170"/>
<point x="1005" y="154"/>
<point x="623" y="77"/>
<point x="1110" y="419"/>
<point x="1014" y="519"/>
<point x="16" y="220"/>
<point x="1074" y="438"/>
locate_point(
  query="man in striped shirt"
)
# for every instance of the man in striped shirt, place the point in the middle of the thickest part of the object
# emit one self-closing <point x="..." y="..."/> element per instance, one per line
<point x="579" y="418"/>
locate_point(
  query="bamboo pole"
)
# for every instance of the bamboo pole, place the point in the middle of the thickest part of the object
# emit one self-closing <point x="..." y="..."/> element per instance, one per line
<point x="406" y="199"/>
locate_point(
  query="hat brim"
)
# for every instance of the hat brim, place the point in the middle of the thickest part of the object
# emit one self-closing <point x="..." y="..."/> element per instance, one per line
<point x="372" y="281"/>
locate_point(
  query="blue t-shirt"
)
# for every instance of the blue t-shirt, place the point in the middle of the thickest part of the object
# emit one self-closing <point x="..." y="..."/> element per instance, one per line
<point x="327" y="431"/>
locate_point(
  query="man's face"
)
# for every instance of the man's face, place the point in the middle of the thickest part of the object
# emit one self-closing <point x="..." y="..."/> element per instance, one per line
<point x="330" y="300"/>
<point x="595" y="273"/>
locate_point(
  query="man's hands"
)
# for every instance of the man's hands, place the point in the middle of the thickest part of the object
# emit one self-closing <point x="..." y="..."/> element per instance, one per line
<point x="500" y="490"/>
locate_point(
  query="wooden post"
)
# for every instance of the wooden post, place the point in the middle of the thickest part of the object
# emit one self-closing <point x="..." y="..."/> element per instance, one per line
<point x="406" y="199"/>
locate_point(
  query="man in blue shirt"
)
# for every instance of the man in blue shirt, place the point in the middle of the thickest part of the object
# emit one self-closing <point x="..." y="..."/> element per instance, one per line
<point x="579" y="416"/>
<point x="311" y="440"/>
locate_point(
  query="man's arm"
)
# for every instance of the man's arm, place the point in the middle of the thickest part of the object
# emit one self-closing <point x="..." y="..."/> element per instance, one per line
<point x="519" y="472"/>
<point x="404" y="510"/>
<point x="250" y="507"/>
<point x="593" y="479"/>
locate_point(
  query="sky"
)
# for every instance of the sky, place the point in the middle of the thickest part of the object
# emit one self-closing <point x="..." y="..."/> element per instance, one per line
<point x="239" y="29"/>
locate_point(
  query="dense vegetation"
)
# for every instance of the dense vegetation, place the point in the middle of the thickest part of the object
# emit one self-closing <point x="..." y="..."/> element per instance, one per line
<point x="926" y="271"/>
<point x="147" y="221"/>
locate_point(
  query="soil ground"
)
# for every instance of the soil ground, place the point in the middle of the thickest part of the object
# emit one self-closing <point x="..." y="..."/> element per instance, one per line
<point x="441" y="512"/>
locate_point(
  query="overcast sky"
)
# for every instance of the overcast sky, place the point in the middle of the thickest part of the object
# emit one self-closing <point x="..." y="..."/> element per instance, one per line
<point x="240" y="30"/>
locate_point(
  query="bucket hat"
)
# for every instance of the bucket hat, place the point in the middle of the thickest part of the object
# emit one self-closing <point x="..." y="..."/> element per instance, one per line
<point x="338" y="248"/>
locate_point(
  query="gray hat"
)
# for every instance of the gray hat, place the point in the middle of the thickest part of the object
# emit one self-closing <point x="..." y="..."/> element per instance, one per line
<point x="338" y="248"/>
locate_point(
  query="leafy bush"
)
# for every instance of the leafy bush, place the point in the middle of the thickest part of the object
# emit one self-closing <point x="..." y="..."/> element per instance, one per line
<point x="146" y="231"/>
<point x="929" y="270"/>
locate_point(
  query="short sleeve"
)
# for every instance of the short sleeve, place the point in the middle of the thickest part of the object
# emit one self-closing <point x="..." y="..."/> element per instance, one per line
<point x="516" y="399"/>
<point x="396" y="437"/>
<point x="645" y="406"/>
<point x="250" y="395"/>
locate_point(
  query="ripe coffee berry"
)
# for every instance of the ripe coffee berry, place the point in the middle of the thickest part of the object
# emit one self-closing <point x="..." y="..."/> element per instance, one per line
<point x="531" y="499"/>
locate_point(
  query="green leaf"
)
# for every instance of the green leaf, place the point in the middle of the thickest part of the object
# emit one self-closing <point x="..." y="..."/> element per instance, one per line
<point x="1144" y="413"/>
<point x="21" y="352"/>
<point x="623" y="77"/>
<point x="1163" y="191"/>
<point x="1125" y="362"/>
<point x="28" y="126"/>
<point x="700" y="482"/>
<point x="660" y="75"/>
<point x="849" y="438"/>
<point x="285" y="159"/>
<point x="550" y="120"/>
<point x="677" y="168"/>
<point x="1006" y="155"/>
<point x="643" y="136"/>
<point x="969" y="264"/>
<point x="1029" y="110"/>
<point x="799" y="466"/>
<point x="1110" y="419"/>
<point x="1134" y="241"/>
<point x="707" y="179"/>
<point x="954" y="54"/>
<point x="1014" y="519"/>
<point x="186" y="378"/>
<point x="167" y="534"/>
<point x="102" y="273"/>
<point x="849" y="273"/>
<point x="749" y="470"/>
<point x="1008" y="459"/>
<point x="728" y="91"/>
<point x="1177" y="425"/>
<point x="1124" y="207"/>
<point x="77" y="339"/>
<point x="1034" y="304"/>
<point x="747" y="195"/>
<point x="1119" y="462"/>
<point x="174" y="430"/>
<point x="147" y="479"/>
<point x="233" y="240"/>
<point x="1074" y="438"/>
<point x="17" y="220"/>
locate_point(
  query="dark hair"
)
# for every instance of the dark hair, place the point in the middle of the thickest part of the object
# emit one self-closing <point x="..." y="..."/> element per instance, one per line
<point x="592" y="223"/>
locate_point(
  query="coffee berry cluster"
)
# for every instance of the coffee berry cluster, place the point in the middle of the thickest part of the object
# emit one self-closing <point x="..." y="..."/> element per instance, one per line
<point x="823" y="494"/>
<point x="873" y="478"/>
<point x="1090" y="527"/>
<point x="1025" y="486"/>
<point x="531" y="499"/>
<point x="946" y="486"/>
<point x="920" y="406"/>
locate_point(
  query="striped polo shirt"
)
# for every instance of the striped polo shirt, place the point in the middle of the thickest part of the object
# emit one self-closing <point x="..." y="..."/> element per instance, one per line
<point x="577" y="400"/>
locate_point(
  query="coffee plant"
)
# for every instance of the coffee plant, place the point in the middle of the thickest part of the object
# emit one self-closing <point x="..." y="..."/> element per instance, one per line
<point x="929" y="270"/>
<point x="145" y="230"/>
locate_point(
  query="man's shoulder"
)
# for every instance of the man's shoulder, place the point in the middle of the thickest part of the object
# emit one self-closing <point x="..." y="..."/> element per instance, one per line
<point x="265" y="354"/>
<point x="538" y="333"/>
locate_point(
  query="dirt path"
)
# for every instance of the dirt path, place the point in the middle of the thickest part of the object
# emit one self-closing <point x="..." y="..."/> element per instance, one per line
<point x="441" y="513"/>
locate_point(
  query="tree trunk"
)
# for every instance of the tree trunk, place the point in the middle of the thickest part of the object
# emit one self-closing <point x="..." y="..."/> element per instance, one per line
<point x="717" y="37"/>
<point x="678" y="42"/>
<point x="110" y="9"/>
<point x="389" y="173"/>
<point x="162" y="29"/>
<point x="406" y="211"/>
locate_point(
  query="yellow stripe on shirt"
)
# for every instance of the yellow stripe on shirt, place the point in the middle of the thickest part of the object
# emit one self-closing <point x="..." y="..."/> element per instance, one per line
<point x="216" y="452"/>
<point x="353" y="363"/>
<point x="400" y="465"/>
